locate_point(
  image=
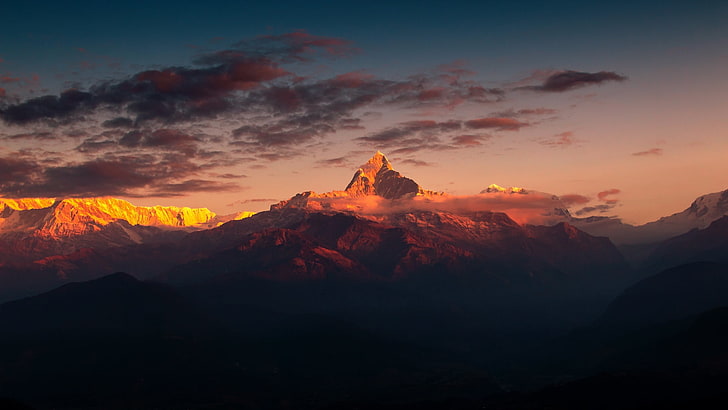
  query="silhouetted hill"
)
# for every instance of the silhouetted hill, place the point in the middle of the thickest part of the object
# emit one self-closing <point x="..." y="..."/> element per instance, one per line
<point x="671" y="294"/>
<point x="117" y="304"/>
<point x="116" y="342"/>
<point x="709" y="244"/>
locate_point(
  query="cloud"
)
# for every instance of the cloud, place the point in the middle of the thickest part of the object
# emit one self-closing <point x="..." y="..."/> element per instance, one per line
<point x="532" y="208"/>
<point x="604" y="196"/>
<point x="16" y="170"/>
<point x="297" y="46"/>
<point x="412" y="136"/>
<point x="6" y="79"/>
<point x="402" y="131"/>
<point x="252" y="96"/>
<point x="596" y="208"/>
<point x="560" y="140"/>
<point x="247" y="83"/>
<point x="525" y="112"/>
<point x="416" y="163"/>
<point x="469" y="140"/>
<point x="574" y="199"/>
<point x="333" y="162"/>
<point x="38" y="135"/>
<point x="170" y="94"/>
<point x="567" y="80"/>
<point x="496" y="123"/>
<point x="253" y="201"/>
<point x="136" y="175"/>
<point x="649" y="152"/>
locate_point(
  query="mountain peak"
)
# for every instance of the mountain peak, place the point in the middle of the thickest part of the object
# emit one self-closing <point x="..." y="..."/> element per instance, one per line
<point x="497" y="188"/>
<point x="377" y="177"/>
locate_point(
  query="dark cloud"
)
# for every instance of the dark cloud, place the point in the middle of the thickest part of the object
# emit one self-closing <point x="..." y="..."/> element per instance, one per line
<point x="171" y="94"/>
<point x="296" y="46"/>
<point x="403" y="132"/>
<point x="649" y="152"/>
<point x="162" y="138"/>
<point x="118" y="122"/>
<point x="413" y="136"/>
<point x="49" y="107"/>
<point x="568" y="80"/>
<point x="596" y="208"/>
<point x="133" y="175"/>
<point x="285" y="133"/>
<point x="15" y="171"/>
<point x="38" y="135"/>
<point x="496" y="123"/>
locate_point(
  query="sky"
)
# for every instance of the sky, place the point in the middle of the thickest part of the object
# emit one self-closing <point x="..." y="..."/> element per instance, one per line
<point x="237" y="105"/>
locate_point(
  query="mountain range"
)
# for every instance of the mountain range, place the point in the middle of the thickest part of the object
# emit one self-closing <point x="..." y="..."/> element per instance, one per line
<point x="381" y="295"/>
<point x="381" y="226"/>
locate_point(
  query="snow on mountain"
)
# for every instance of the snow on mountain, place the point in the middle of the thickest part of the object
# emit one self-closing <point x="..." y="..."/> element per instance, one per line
<point x="377" y="189"/>
<point x="699" y="215"/>
<point x="76" y="216"/>
<point x="35" y="228"/>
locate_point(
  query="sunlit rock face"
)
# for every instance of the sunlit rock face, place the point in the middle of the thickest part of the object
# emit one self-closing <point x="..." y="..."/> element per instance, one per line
<point x="23" y="204"/>
<point x="377" y="177"/>
<point x="373" y="182"/>
<point x="34" y="228"/>
<point x="77" y="216"/>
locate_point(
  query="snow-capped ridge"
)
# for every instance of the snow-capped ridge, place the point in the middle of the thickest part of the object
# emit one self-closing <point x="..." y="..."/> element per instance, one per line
<point x="67" y="217"/>
<point x="492" y="188"/>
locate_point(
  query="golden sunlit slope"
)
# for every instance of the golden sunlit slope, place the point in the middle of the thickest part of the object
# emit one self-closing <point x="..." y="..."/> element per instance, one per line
<point x="76" y="216"/>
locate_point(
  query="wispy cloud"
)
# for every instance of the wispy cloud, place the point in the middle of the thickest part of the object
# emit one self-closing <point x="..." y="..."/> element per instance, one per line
<point x="650" y="152"/>
<point x="560" y="140"/>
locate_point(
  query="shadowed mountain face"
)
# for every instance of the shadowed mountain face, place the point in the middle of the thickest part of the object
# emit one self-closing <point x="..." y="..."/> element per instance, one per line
<point x="116" y="342"/>
<point x="673" y="294"/>
<point x="115" y="304"/>
<point x="317" y="246"/>
<point x="709" y="244"/>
